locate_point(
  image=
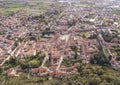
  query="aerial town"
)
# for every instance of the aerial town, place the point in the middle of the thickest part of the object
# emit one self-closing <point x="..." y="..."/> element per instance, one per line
<point x="60" y="42"/>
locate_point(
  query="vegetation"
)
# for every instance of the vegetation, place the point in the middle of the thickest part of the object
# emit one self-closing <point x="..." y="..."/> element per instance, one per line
<point x="99" y="59"/>
<point x="107" y="37"/>
<point x="85" y="34"/>
<point x="117" y="51"/>
<point x="116" y="11"/>
<point x="92" y="36"/>
<point x="88" y="75"/>
<point x="32" y="61"/>
<point x="42" y="5"/>
<point x="8" y="8"/>
<point x="13" y="62"/>
<point x="97" y="72"/>
<point x="1" y="71"/>
<point x="84" y="4"/>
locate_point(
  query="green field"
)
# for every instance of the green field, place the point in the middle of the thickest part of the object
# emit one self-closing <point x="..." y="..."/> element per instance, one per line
<point x="116" y="11"/>
<point x="7" y="8"/>
<point x="39" y="8"/>
<point x="83" y="4"/>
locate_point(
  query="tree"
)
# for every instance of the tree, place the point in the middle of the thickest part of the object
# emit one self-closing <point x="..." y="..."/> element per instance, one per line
<point x="95" y="81"/>
<point x="107" y="37"/>
<point x="99" y="59"/>
<point x="1" y="70"/>
<point x="74" y="48"/>
<point x="34" y="63"/>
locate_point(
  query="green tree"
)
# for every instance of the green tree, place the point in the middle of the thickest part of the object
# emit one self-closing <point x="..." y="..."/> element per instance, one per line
<point x="95" y="81"/>
<point x="1" y="70"/>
